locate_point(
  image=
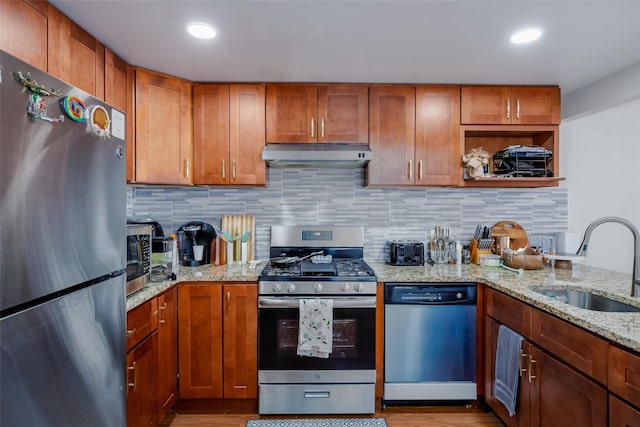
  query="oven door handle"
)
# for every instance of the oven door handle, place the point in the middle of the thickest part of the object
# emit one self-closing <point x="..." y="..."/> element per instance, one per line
<point x="366" y="302"/>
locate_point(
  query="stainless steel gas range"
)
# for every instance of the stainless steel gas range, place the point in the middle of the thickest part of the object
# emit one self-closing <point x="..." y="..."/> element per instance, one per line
<point x="321" y="266"/>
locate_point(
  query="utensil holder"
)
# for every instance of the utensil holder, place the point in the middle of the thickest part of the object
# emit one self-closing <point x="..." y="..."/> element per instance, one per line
<point x="476" y="251"/>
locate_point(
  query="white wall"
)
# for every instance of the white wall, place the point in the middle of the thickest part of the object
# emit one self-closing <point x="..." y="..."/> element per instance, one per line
<point x="600" y="157"/>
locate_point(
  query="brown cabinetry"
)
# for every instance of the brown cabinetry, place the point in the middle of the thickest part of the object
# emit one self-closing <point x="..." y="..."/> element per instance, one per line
<point x="496" y="117"/>
<point x="167" y="351"/>
<point x="621" y="414"/>
<point x="624" y="375"/>
<point x="229" y="134"/>
<point x="437" y="143"/>
<point x="163" y="129"/>
<point x="141" y="370"/>
<point x="74" y="55"/>
<point x="392" y="112"/>
<point x="217" y="340"/>
<point x="503" y="105"/>
<point x="317" y="113"/>
<point x="24" y="31"/>
<point x="551" y="391"/>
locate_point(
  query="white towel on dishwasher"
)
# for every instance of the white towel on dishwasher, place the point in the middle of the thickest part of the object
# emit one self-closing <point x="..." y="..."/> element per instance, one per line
<point x="315" y="331"/>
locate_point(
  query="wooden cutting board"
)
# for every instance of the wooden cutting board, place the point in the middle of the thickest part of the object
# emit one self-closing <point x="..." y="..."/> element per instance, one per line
<point x="241" y="223"/>
<point x="517" y="236"/>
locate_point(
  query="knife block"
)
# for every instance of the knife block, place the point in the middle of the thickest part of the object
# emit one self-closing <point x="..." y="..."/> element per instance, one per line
<point x="476" y="252"/>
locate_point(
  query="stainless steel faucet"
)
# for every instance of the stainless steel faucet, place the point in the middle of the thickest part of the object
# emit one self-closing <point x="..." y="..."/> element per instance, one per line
<point x="635" y="275"/>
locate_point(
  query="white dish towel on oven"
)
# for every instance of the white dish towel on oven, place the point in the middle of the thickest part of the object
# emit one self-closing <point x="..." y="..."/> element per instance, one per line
<point x="315" y="331"/>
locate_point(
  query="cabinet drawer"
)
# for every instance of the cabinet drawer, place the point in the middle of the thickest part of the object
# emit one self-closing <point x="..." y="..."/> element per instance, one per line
<point x="510" y="312"/>
<point x="580" y="349"/>
<point x="621" y="414"/>
<point x="624" y="374"/>
<point x="141" y="321"/>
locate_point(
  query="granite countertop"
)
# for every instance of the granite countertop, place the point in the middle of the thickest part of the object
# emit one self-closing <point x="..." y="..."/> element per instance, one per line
<point x="621" y="328"/>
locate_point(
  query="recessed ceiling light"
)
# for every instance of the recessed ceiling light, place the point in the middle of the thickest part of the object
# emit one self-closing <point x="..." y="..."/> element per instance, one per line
<point x="526" y="36"/>
<point x="201" y="30"/>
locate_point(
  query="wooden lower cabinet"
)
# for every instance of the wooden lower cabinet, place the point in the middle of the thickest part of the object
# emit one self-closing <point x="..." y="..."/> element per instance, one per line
<point x="550" y="393"/>
<point x="141" y="379"/>
<point x="167" y="351"/>
<point x="218" y="340"/>
<point x="561" y="367"/>
<point x="622" y="414"/>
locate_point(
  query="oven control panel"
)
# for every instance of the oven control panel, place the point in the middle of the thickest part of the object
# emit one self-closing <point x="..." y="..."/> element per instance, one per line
<point x="322" y="235"/>
<point x="281" y="287"/>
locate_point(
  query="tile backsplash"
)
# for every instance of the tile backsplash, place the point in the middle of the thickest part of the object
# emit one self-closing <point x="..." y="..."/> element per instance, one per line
<point x="337" y="197"/>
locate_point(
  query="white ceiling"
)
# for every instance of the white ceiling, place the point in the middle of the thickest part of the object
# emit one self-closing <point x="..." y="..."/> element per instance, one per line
<point x="388" y="41"/>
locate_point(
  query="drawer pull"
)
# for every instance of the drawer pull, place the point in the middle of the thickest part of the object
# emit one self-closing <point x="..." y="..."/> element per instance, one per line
<point x="131" y="332"/>
<point x="163" y="307"/>
<point x="531" y="362"/>
<point x="317" y="395"/>
<point x="135" y="378"/>
<point x="523" y="355"/>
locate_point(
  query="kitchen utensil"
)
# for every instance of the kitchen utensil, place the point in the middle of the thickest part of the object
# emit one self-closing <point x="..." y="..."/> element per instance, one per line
<point x="245" y="236"/>
<point x="227" y="236"/>
<point x="286" y="261"/>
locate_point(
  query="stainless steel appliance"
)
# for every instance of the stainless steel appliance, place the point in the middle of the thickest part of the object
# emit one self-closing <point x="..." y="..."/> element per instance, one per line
<point x="138" y="256"/>
<point x="407" y="252"/>
<point x="430" y="342"/>
<point x="344" y="382"/>
<point x="62" y="258"/>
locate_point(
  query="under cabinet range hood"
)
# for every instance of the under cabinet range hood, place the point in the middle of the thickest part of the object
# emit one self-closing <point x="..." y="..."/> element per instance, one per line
<point x="316" y="155"/>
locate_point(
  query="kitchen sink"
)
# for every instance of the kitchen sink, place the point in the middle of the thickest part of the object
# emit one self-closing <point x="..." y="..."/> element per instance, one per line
<point x="587" y="300"/>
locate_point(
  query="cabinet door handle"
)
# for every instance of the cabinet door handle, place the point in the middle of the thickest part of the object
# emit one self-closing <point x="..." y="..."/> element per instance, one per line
<point x="313" y="131"/>
<point x="186" y="168"/>
<point x="224" y="173"/>
<point x="523" y="355"/>
<point x="518" y="108"/>
<point x="410" y="169"/>
<point x="131" y="332"/>
<point x="163" y="309"/>
<point x="233" y="169"/>
<point x="228" y="302"/>
<point x="322" y="128"/>
<point x="508" y="108"/>
<point x="420" y="170"/>
<point x="135" y="378"/>
<point x="531" y="362"/>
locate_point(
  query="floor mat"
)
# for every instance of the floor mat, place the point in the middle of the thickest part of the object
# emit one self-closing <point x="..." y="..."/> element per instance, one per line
<point x="319" y="422"/>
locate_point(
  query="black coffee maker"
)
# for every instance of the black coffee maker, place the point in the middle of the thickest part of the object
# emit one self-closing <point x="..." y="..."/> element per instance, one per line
<point x="194" y="243"/>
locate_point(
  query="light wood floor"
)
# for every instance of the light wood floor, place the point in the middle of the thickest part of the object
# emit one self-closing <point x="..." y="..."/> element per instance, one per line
<point x="395" y="417"/>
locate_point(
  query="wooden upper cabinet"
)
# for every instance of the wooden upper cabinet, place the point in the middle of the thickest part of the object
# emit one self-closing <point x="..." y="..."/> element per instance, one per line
<point x="24" y="31"/>
<point x="437" y="145"/>
<point x="229" y="134"/>
<point x="74" y="55"/>
<point x="392" y="111"/>
<point x="163" y="129"/>
<point x="210" y="133"/>
<point x="317" y="113"/>
<point x="503" y="105"/>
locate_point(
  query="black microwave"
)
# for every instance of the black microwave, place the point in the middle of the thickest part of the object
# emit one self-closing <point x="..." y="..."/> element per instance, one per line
<point x="138" y="256"/>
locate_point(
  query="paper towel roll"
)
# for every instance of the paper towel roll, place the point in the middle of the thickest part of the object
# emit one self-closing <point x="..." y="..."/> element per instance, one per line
<point x="567" y="242"/>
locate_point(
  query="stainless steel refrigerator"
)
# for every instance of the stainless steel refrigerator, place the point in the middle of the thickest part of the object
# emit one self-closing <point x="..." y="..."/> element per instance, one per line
<point x="62" y="253"/>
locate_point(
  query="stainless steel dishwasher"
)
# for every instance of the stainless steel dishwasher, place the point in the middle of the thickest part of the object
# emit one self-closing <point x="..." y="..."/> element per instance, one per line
<point x="429" y="343"/>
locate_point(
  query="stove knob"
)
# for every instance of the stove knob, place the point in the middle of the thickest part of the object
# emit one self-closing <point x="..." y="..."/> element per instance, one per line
<point x="346" y="287"/>
<point x="317" y="287"/>
<point x="276" y="287"/>
<point x="291" y="288"/>
<point x="459" y="295"/>
<point x="359" y="287"/>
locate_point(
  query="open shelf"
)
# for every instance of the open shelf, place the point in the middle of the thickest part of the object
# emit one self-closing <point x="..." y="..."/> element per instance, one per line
<point x="493" y="138"/>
